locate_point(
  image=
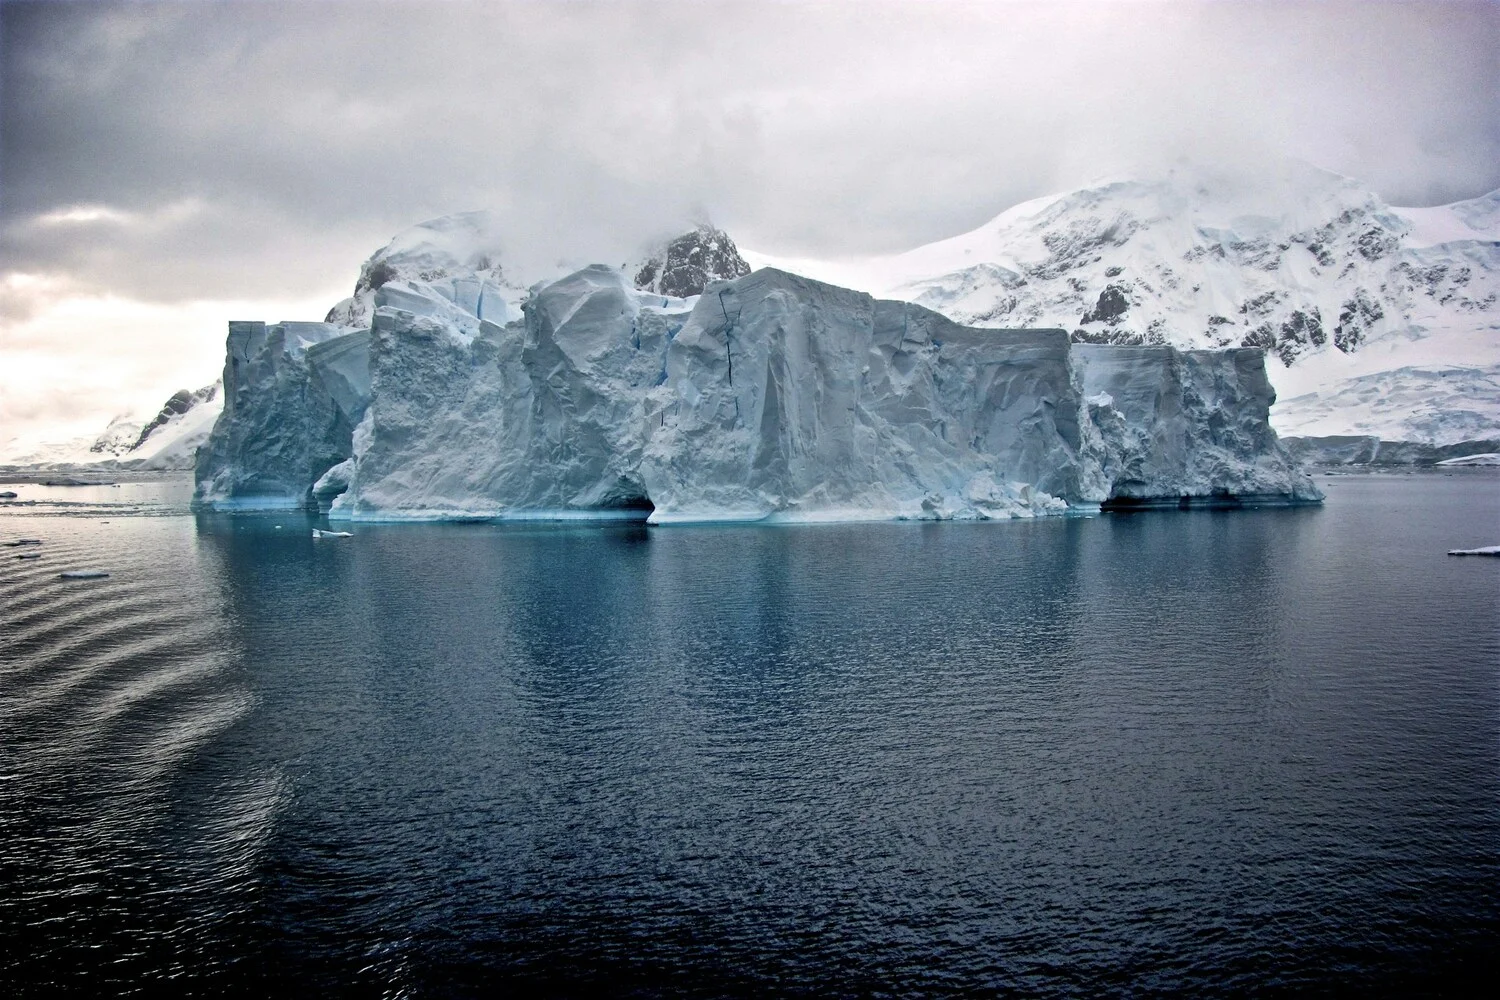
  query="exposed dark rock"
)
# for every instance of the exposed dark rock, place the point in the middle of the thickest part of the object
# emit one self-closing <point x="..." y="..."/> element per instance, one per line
<point x="687" y="264"/>
<point x="1261" y="305"/>
<point x="180" y="402"/>
<point x="1112" y="305"/>
<point x="1320" y="250"/>
<point x="1120" y="338"/>
<point x="1355" y="319"/>
<point x="1305" y="328"/>
<point x="373" y="275"/>
<point x="1262" y="336"/>
<point x="1078" y="243"/>
<point x="1299" y="331"/>
<point x="1375" y="243"/>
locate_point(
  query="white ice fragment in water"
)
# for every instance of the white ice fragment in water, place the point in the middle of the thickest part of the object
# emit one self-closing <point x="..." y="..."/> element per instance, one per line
<point x="1486" y="550"/>
<point x="321" y="533"/>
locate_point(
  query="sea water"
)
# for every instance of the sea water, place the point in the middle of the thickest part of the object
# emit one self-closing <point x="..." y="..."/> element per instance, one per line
<point x="1253" y="751"/>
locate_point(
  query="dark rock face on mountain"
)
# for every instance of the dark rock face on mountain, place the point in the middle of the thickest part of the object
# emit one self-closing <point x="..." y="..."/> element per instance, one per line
<point x="180" y="402"/>
<point x="686" y="265"/>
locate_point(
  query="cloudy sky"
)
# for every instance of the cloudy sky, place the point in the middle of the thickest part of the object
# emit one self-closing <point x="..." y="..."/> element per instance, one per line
<point x="166" y="167"/>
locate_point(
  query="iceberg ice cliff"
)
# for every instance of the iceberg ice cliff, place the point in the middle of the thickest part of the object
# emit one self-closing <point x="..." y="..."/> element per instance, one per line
<point x="688" y="390"/>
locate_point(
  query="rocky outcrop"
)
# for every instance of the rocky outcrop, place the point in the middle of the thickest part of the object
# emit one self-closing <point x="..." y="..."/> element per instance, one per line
<point x="687" y="264"/>
<point x="176" y="406"/>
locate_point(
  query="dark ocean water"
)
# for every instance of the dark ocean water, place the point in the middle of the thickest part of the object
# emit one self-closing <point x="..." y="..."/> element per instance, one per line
<point x="1245" y="752"/>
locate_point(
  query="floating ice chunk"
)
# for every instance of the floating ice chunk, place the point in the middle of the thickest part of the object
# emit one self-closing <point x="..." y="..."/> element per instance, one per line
<point x="321" y="533"/>
<point x="1486" y="550"/>
<point x="22" y="541"/>
<point x="83" y="574"/>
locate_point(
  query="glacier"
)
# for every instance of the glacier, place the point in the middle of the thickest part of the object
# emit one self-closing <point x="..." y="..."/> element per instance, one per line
<point x="683" y="389"/>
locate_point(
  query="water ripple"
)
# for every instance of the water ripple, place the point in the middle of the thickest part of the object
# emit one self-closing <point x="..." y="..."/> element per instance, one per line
<point x="1242" y="753"/>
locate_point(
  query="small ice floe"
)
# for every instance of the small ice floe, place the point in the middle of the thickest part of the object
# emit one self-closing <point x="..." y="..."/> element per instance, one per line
<point x="83" y="574"/>
<point x="320" y="533"/>
<point x="22" y="541"/>
<point x="1487" y="550"/>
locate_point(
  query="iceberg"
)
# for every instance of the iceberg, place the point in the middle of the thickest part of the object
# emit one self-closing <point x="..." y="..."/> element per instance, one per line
<point x="758" y="397"/>
<point x="292" y="395"/>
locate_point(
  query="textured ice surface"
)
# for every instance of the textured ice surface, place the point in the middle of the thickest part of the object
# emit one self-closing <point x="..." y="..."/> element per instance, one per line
<point x="768" y="397"/>
<point x="1185" y="423"/>
<point x="292" y="395"/>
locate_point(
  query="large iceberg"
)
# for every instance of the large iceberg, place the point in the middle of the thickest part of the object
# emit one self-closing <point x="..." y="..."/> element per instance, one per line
<point x="768" y="396"/>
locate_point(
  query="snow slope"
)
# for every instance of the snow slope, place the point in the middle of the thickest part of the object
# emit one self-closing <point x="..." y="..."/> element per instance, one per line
<point x="164" y="440"/>
<point x="1356" y="301"/>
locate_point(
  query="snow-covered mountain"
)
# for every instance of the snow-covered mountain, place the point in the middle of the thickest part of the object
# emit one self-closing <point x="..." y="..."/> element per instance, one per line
<point x="165" y="439"/>
<point x="1365" y="309"/>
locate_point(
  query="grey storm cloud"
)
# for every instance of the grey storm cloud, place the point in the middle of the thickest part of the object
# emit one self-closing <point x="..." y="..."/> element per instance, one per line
<point x="182" y="151"/>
